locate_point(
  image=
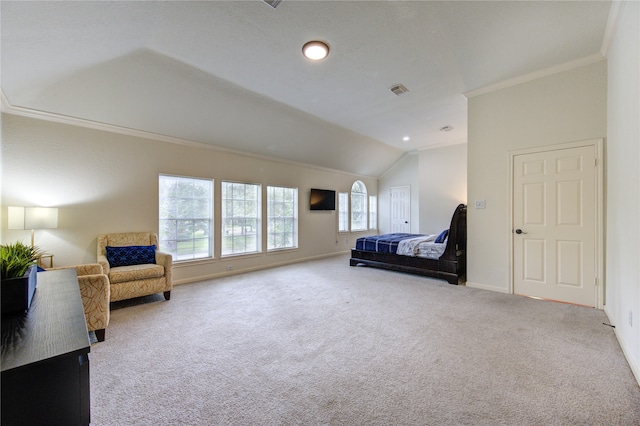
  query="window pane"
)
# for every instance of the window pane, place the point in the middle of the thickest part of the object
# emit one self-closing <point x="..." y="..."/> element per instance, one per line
<point x="240" y="218"/>
<point x="358" y="206"/>
<point x="185" y="217"/>
<point x="343" y="211"/>
<point x="282" y="216"/>
<point x="373" y="212"/>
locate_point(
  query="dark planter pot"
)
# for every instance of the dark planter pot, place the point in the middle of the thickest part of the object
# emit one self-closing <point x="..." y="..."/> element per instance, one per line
<point x="18" y="292"/>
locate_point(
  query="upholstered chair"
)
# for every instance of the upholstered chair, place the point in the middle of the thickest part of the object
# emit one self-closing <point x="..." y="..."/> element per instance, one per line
<point x="95" y="291"/>
<point x="134" y="265"/>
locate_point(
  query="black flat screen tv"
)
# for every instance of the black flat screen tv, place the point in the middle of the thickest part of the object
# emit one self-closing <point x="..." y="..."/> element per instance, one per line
<point x="322" y="199"/>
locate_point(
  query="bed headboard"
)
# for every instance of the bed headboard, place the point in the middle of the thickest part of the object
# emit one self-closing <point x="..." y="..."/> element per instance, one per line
<point x="457" y="241"/>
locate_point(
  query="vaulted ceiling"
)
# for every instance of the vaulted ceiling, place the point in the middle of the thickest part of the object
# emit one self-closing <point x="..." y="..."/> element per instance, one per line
<point x="231" y="73"/>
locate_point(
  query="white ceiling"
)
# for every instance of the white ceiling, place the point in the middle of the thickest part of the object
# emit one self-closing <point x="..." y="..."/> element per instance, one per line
<point x="231" y="73"/>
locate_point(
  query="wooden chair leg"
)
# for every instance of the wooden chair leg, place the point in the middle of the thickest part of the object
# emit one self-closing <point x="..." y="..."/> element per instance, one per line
<point x="100" y="334"/>
<point x="167" y="295"/>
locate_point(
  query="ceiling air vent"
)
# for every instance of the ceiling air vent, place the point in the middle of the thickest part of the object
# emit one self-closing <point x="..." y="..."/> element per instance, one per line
<point x="273" y="3"/>
<point x="398" y="89"/>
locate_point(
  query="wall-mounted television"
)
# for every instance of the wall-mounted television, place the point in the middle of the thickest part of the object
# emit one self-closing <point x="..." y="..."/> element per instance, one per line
<point x="322" y="199"/>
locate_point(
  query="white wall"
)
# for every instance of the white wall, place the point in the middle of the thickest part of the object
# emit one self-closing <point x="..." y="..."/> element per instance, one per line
<point x="564" y="107"/>
<point x="108" y="182"/>
<point x="438" y="181"/>
<point x="403" y="173"/>
<point x="623" y="183"/>
<point x="443" y="185"/>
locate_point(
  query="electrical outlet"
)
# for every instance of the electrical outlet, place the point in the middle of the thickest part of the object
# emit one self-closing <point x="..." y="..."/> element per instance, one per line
<point x="229" y="267"/>
<point x="480" y="204"/>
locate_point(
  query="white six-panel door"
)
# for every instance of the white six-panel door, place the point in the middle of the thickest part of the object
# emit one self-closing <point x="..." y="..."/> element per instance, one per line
<point x="400" y="201"/>
<point x="554" y="225"/>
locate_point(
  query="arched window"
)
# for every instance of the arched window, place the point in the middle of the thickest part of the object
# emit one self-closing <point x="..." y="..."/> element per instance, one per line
<point x="359" y="203"/>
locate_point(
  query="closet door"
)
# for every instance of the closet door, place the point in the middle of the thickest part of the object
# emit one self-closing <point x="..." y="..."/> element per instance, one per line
<point x="400" y="197"/>
<point x="554" y="225"/>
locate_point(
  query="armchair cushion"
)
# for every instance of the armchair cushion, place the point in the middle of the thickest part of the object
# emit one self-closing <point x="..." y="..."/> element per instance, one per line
<point x="131" y="255"/>
<point x="122" y="274"/>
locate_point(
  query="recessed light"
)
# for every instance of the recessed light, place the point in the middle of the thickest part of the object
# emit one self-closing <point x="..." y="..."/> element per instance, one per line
<point x="406" y="138"/>
<point x="315" y="50"/>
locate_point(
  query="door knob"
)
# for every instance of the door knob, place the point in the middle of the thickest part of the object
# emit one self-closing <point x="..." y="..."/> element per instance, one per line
<point x="520" y="231"/>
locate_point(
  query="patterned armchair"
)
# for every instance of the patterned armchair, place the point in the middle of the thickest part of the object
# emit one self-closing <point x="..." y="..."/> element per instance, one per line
<point x="133" y="267"/>
<point x="95" y="291"/>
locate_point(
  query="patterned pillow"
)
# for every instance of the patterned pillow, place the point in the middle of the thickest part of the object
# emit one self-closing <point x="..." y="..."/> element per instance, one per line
<point x="131" y="255"/>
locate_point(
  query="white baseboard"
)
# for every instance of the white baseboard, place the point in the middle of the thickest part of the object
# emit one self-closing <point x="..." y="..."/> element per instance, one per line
<point x="633" y="364"/>
<point x="487" y="287"/>
<point x="254" y="268"/>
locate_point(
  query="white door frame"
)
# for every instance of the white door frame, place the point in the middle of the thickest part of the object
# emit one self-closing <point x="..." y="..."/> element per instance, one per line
<point x="599" y="187"/>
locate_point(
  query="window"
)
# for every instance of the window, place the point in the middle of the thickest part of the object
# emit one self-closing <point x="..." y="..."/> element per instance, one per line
<point x="282" y="217"/>
<point x="240" y="218"/>
<point x="343" y="212"/>
<point x="186" y="217"/>
<point x="373" y="212"/>
<point x="358" y="206"/>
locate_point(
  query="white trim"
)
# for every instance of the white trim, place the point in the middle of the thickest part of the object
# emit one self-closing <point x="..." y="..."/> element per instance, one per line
<point x="535" y="75"/>
<point x="441" y="145"/>
<point x="255" y="268"/>
<point x="628" y="354"/>
<point x="612" y="25"/>
<point x="599" y="196"/>
<point x="8" y="108"/>
<point x="487" y="287"/>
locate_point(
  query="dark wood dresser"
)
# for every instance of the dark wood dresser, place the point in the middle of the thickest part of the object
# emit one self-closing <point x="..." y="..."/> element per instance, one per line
<point x="45" y="357"/>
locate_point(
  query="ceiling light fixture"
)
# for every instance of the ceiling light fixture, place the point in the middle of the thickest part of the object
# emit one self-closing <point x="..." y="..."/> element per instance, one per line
<point x="315" y="50"/>
<point x="406" y="138"/>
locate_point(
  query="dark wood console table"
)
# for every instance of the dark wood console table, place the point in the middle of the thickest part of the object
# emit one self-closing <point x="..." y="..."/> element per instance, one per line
<point x="45" y="357"/>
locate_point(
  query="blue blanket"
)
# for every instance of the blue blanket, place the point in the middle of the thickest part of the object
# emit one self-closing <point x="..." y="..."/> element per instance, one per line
<point x="386" y="243"/>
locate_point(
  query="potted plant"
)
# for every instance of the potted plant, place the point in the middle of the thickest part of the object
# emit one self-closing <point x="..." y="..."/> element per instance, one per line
<point x="18" y="274"/>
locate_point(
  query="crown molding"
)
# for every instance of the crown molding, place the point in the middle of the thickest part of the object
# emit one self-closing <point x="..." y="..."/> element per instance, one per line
<point x="8" y="108"/>
<point x="536" y="75"/>
<point x="612" y="25"/>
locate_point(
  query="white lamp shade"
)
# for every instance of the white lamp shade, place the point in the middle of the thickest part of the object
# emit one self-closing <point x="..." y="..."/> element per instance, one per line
<point x="32" y="217"/>
<point x="15" y="217"/>
<point x="40" y="217"/>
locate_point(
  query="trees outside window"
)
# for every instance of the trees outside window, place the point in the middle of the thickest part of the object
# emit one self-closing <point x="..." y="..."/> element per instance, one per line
<point x="185" y="217"/>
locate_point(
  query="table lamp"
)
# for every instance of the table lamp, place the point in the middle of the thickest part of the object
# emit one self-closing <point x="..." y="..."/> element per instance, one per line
<point x="32" y="218"/>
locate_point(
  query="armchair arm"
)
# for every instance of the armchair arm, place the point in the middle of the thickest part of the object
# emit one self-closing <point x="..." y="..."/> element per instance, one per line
<point x="95" y="292"/>
<point x="166" y="260"/>
<point x="88" y="269"/>
<point x="102" y="260"/>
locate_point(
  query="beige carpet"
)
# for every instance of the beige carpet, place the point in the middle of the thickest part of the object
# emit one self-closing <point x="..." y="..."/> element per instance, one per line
<point x="322" y="343"/>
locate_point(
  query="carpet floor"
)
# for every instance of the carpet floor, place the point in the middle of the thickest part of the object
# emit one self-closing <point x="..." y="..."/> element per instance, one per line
<point x="323" y="343"/>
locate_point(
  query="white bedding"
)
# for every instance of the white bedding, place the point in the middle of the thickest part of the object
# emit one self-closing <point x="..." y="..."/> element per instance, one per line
<point x="409" y="246"/>
<point x="422" y="246"/>
<point x="431" y="250"/>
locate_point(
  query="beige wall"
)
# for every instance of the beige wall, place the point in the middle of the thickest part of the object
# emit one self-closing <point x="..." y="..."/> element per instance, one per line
<point x="564" y="107"/>
<point x="623" y="184"/>
<point x="443" y="185"/>
<point x="438" y="181"/>
<point x="108" y="182"/>
<point x="403" y="173"/>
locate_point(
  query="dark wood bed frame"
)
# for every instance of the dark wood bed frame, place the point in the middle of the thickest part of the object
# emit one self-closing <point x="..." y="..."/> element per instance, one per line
<point x="451" y="266"/>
